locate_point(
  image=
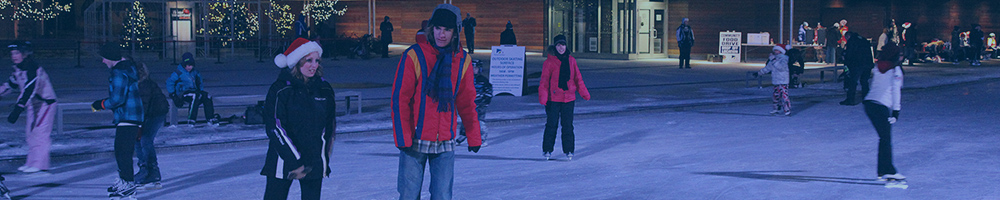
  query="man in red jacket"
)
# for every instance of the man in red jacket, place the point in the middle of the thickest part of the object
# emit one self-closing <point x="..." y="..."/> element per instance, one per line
<point x="433" y="83"/>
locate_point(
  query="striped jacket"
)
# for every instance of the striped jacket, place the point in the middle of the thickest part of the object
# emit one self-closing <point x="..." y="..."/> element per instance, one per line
<point x="123" y="94"/>
<point x="300" y="120"/>
<point x="415" y="115"/>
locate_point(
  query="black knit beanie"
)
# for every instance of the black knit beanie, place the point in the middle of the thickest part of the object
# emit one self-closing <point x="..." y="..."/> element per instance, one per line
<point x="111" y="51"/>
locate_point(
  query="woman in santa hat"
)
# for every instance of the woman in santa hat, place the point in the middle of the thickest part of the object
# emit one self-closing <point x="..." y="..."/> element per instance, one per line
<point x="300" y="119"/>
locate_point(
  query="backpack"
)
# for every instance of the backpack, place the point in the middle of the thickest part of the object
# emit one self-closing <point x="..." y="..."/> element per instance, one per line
<point x="254" y="114"/>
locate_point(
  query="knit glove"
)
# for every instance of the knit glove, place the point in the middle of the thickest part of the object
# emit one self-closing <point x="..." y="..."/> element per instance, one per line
<point x="14" y="114"/>
<point x="474" y="149"/>
<point x="97" y="105"/>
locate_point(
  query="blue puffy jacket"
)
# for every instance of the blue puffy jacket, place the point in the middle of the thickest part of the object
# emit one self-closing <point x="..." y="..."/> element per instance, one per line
<point x="182" y="81"/>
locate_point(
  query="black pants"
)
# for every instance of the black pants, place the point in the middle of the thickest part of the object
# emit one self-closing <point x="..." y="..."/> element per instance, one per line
<point x="385" y="48"/>
<point x="879" y="116"/>
<point x="470" y="42"/>
<point x="125" y="137"/>
<point x="277" y="189"/>
<point x="976" y="53"/>
<point x="857" y="75"/>
<point x="197" y="98"/>
<point x="558" y="112"/>
<point x="685" y="58"/>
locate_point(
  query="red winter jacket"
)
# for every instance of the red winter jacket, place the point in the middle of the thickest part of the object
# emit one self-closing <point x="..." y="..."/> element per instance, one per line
<point x="415" y="114"/>
<point x="548" y="88"/>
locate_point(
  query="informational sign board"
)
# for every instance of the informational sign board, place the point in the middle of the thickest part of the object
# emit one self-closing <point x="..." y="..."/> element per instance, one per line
<point x="507" y="69"/>
<point x="178" y="14"/>
<point x="759" y="38"/>
<point x="730" y="44"/>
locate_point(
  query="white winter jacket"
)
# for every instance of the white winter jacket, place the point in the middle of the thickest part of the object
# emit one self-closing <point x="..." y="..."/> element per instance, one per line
<point x="885" y="87"/>
<point x="777" y="65"/>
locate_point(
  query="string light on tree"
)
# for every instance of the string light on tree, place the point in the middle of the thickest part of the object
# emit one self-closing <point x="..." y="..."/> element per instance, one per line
<point x="135" y="29"/>
<point x="25" y="10"/>
<point x="282" y="18"/>
<point x="234" y="21"/>
<point x="321" y="10"/>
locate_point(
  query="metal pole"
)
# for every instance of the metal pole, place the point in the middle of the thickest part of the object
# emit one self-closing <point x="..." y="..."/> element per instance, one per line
<point x="781" y="21"/>
<point x="791" y="20"/>
<point x="78" y="46"/>
<point x="175" y="51"/>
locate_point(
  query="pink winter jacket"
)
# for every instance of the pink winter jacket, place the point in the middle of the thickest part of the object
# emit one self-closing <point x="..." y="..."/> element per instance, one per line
<point x="548" y="88"/>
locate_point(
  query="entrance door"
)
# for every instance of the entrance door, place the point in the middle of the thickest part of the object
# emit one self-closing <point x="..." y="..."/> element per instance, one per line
<point x="645" y="34"/>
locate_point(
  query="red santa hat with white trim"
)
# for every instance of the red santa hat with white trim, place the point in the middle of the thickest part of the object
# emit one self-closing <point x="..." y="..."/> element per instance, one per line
<point x="298" y="49"/>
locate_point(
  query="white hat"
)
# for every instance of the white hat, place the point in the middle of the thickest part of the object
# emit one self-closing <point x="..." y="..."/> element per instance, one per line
<point x="298" y="49"/>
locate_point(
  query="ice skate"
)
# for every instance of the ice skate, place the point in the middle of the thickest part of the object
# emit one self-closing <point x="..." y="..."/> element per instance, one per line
<point x="896" y="183"/>
<point x="548" y="155"/>
<point x="149" y="186"/>
<point x="891" y="176"/>
<point x="122" y="190"/>
<point x="190" y="123"/>
<point x="569" y="156"/>
<point x="775" y="112"/>
<point x="459" y="140"/>
<point x="4" y="192"/>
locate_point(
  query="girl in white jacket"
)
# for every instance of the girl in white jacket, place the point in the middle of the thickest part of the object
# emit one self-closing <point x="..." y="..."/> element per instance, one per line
<point x="777" y="65"/>
<point x="882" y="106"/>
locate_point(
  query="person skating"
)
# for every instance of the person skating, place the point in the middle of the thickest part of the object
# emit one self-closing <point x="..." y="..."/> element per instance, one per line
<point x="185" y="86"/>
<point x="128" y="110"/>
<point x="484" y="95"/>
<point x="432" y="84"/>
<point x="300" y="122"/>
<point x="858" y="59"/>
<point x="557" y="89"/>
<point x="794" y="71"/>
<point x="976" y="44"/>
<point x="777" y="65"/>
<point x="507" y="37"/>
<point x="155" y="110"/>
<point x="38" y="98"/>
<point x="882" y="106"/>
<point x="685" y="40"/>
<point x="469" y="25"/>
<point x="386" y="28"/>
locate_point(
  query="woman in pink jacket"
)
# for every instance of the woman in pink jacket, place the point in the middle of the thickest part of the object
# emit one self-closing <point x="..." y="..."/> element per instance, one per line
<point x="557" y="90"/>
<point x="38" y="98"/>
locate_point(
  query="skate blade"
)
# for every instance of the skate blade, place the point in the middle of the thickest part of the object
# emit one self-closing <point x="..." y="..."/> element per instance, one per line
<point x="150" y="186"/>
<point x="899" y="185"/>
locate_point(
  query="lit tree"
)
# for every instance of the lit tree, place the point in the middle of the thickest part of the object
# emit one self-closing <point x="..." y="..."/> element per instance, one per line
<point x="135" y="29"/>
<point x="23" y="10"/>
<point x="235" y="21"/>
<point x="282" y="18"/>
<point x="321" y="10"/>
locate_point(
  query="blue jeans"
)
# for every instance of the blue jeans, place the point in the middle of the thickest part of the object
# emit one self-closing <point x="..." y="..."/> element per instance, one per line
<point x="831" y="54"/>
<point x="411" y="174"/>
<point x="145" y="152"/>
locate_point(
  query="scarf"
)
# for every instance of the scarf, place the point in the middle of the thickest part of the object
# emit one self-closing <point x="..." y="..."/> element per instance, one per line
<point x="564" y="70"/>
<point x="437" y="85"/>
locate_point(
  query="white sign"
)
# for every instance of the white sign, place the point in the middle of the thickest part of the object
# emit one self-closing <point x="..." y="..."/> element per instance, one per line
<point x="507" y="70"/>
<point x="593" y="44"/>
<point x="759" y="38"/>
<point x="729" y="46"/>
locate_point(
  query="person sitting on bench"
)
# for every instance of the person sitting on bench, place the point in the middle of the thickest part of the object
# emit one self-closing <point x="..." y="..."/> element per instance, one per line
<point x="185" y="86"/>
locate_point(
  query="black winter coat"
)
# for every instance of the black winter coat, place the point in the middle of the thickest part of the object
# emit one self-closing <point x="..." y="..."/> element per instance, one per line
<point x="153" y="99"/>
<point x="300" y="120"/>
<point x="858" y="55"/>
<point x="508" y="37"/>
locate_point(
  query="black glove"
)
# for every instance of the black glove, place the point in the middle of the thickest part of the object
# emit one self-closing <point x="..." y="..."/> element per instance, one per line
<point x="14" y="114"/>
<point x="474" y="149"/>
<point x="97" y="105"/>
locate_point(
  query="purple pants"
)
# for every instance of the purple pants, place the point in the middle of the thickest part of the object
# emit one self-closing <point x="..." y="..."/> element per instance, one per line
<point x="38" y="127"/>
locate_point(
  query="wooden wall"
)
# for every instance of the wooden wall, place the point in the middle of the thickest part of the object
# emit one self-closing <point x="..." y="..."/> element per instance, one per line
<point x="527" y="16"/>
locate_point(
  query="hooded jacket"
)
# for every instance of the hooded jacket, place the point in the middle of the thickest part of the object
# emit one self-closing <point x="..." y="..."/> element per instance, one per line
<point x="777" y="65"/>
<point x="123" y="94"/>
<point x="548" y="87"/>
<point x="182" y="81"/>
<point x="300" y="121"/>
<point x="415" y="114"/>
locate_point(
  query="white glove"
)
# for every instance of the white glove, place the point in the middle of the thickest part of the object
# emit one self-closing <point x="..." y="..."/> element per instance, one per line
<point x="892" y="120"/>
